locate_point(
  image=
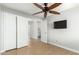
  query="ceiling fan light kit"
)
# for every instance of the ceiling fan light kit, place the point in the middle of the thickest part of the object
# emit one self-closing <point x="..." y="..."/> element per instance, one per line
<point x="47" y="9"/>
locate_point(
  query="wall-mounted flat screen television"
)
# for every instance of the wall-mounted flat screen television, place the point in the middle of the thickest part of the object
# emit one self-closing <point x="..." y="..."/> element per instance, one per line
<point x="60" y="24"/>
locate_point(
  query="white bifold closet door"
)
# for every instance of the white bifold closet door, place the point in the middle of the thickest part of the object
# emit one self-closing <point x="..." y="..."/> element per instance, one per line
<point x="15" y="31"/>
<point x="22" y="32"/>
<point x="9" y="31"/>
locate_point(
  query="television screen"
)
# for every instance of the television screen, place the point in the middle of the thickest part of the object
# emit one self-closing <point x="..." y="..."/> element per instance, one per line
<point x="60" y="24"/>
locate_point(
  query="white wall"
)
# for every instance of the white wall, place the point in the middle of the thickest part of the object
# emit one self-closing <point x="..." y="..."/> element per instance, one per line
<point x="65" y="37"/>
<point x="44" y="30"/>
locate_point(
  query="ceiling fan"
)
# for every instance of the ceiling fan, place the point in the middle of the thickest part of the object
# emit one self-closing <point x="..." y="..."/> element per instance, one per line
<point x="46" y="9"/>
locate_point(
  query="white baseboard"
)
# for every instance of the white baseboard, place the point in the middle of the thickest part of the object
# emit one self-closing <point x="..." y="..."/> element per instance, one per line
<point x="70" y="49"/>
<point x="2" y="51"/>
<point x="34" y="38"/>
<point x="44" y="41"/>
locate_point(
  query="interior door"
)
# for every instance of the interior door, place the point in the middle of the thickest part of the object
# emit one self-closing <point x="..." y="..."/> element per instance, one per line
<point x="9" y="31"/>
<point x="44" y="31"/>
<point x="22" y="32"/>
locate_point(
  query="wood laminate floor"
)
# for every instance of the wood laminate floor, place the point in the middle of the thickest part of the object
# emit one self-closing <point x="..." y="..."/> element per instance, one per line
<point x="37" y="47"/>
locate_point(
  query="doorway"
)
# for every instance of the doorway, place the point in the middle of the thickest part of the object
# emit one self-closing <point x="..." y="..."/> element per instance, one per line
<point x="39" y="33"/>
<point x="39" y="29"/>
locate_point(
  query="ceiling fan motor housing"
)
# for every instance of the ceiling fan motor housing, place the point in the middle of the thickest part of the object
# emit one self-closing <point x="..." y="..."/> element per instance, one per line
<point x="46" y="9"/>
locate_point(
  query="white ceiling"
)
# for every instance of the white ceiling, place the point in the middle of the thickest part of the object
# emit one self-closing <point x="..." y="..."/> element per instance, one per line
<point x="29" y="8"/>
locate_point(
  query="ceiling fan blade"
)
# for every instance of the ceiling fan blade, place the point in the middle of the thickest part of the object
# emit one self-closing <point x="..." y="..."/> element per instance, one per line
<point x="45" y="4"/>
<point x="54" y="5"/>
<point x="39" y="6"/>
<point x="45" y="14"/>
<point x="37" y="13"/>
<point x="54" y="12"/>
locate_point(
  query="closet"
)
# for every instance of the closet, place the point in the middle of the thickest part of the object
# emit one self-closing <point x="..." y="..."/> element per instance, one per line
<point x="13" y="30"/>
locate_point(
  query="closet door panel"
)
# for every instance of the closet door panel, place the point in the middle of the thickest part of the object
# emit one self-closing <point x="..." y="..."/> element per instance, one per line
<point x="22" y="32"/>
<point x="9" y="31"/>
